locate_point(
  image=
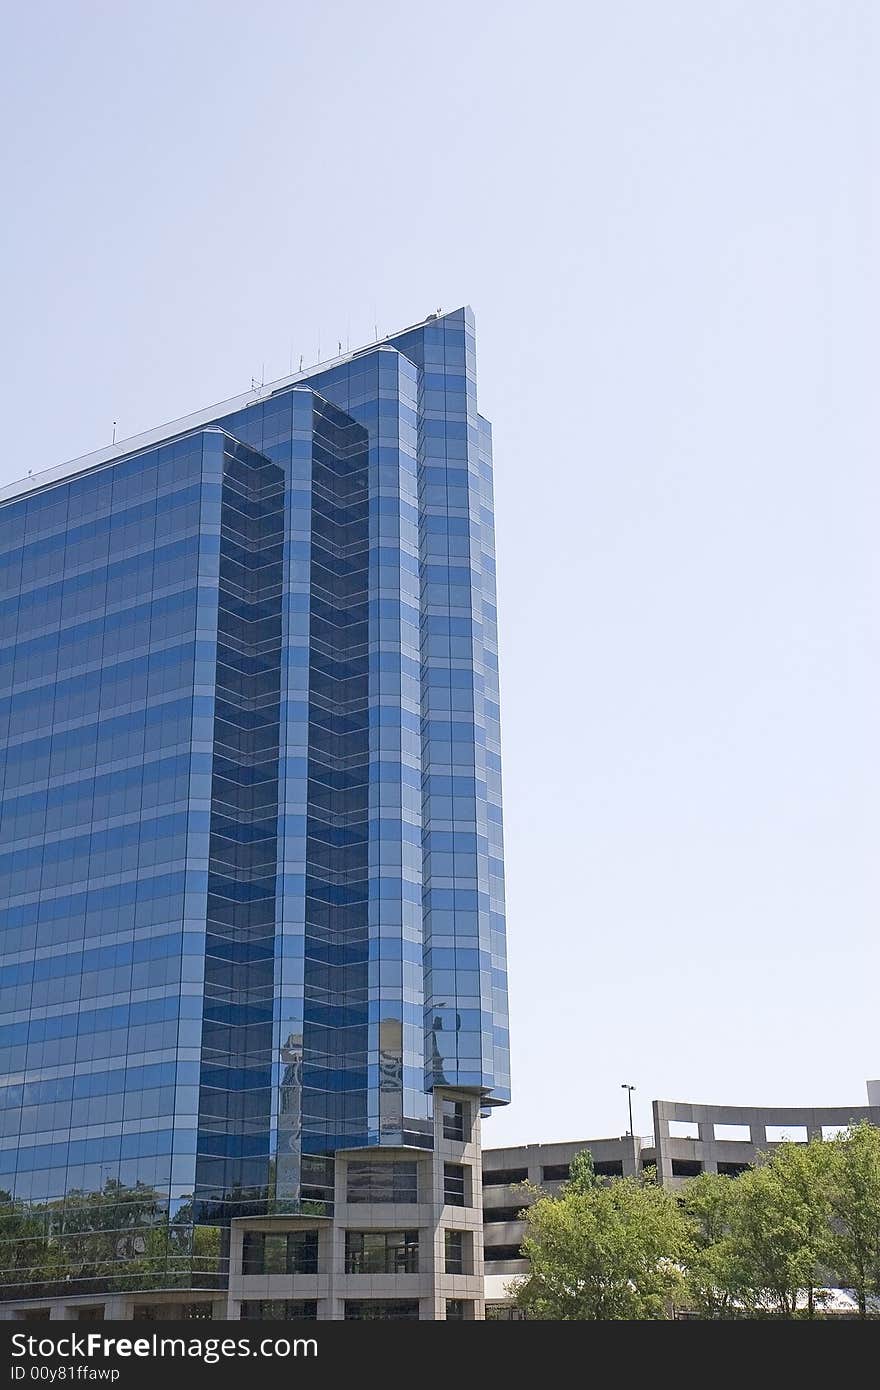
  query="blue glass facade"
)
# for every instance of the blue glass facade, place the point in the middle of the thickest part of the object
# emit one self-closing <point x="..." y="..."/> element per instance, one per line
<point x="250" y="830"/>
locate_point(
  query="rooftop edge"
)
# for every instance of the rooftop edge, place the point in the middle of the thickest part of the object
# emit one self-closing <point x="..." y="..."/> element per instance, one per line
<point x="207" y="415"/>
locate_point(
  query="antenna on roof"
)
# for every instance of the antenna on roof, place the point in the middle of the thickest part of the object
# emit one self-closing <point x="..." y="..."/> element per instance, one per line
<point x="114" y="431"/>
<point x="301" y="361"/>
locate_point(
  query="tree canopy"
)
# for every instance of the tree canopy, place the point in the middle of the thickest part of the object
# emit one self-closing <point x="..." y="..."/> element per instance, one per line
<point x="602" y="1251"/>
<point x="763" y="1244"/>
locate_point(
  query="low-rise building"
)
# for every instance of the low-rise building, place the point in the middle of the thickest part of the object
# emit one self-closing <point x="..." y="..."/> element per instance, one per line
<point x="688" y="1139"/>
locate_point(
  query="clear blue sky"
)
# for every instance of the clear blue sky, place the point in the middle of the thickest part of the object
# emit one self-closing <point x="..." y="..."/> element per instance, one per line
<point x="663" y="215"/>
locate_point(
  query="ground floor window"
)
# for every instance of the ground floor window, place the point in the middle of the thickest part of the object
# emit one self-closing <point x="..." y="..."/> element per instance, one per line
<point x="171" y="1312"/>
<point x="279" y="1310"/>
<point x="459" y="1309"/>
<point x="366" y="1309"/>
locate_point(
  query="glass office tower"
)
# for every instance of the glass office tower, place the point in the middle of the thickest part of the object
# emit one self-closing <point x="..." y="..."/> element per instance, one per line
<point x="250" y="840"/>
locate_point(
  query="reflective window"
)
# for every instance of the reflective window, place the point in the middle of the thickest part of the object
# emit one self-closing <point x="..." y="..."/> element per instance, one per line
<point x="291" y="1252"/>
<point x="369" y="1309"/>
<point x="382" y="1182"/>
<point x="456" y="1120"/>
<point x="459" y="1309"/>
<point x="279" y="1310"/>
<point x="454" y="1185"/>
<point x="458" y="1249"/>
<point x="381" y="1252"/>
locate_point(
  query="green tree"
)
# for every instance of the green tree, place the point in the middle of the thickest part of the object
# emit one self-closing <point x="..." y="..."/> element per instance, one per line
<point x="581" y="1172"/>
<point x="855" y="1205"/>
<point x="602" y="1252"/>
<point x="713" y="1275"/>
<point x="779" y="1229"/>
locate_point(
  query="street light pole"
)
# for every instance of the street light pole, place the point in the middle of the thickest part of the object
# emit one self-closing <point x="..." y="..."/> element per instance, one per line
<point x="625" y="1086"/>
